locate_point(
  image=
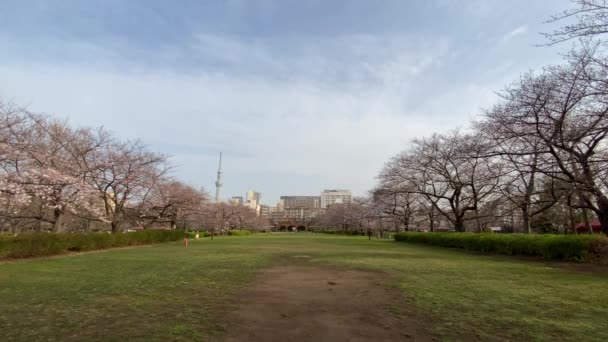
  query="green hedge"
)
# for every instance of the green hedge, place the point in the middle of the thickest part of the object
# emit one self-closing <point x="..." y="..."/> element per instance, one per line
<point x="43" y="244"/>
<point x="592" y="248"/>
<point x="237" y="232"/>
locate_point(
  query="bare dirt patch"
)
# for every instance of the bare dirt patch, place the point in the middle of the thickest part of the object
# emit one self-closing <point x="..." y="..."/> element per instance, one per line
<point x="307" y="303"/>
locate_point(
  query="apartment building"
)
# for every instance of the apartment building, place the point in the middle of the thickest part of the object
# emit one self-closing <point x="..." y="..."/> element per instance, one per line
<point x="329" y="197"/>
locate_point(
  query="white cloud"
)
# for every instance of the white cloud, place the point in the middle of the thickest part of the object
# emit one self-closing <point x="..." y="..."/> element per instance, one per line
<point x="518" y="31"/>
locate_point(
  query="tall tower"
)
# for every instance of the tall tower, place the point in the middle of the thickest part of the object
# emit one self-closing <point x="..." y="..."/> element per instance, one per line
<point x="218" y="182"/>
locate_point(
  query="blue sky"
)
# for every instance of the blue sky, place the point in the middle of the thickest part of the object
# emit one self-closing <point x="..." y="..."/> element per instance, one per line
<point x="299" y="95"/>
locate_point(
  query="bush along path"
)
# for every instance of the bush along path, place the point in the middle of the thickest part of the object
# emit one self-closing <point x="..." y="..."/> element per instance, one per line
<point x="45" y="244"/>
<point x="582" y="248"/>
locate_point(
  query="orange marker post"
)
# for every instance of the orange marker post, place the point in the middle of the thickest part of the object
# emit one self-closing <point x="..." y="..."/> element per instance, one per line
<point x="185" y="242"/>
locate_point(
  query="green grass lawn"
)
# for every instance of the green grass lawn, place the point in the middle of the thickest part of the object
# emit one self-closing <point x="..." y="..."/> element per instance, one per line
<point x="169" y="292"/>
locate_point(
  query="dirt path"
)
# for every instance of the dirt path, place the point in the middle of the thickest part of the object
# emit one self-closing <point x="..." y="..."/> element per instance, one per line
<point x="307" y="303"/>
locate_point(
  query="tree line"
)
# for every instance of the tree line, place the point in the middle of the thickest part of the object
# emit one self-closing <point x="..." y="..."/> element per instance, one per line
<point x="54" y="177"/>
<point x="537" y="160"/>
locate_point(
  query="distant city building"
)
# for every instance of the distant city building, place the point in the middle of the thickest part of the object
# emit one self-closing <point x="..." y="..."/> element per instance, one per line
<point x="276" y="215"/>
<point x="253" y="206"/>
<point x="265" y="211"/>
<point x="300" y="214"/>
<point x="236" y="200"/>
<point x="329" y="197"/>
<point x="253" y="201"/>
<point x="253" y="196"/>
<point x="297" y="208"/>
<point x="294" y="209"/>
<point x="308" y="202"/>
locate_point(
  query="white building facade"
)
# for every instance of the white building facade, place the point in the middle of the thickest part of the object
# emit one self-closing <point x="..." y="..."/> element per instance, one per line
<point x="334" y="196"/>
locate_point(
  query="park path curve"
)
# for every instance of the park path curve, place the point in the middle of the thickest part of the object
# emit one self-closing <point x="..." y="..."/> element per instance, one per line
<point x="311" y="303"/>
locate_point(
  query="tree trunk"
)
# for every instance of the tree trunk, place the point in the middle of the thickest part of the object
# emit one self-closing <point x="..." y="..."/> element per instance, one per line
<point x="459" y="225"/>
<point x="432" y="219"/>
<point x="525" y="214"/>
<point x="528" y="197"/>
<point x="604" y="223"/>
<point x="39" y="223"/>
<point x="513" y="220"/>
<point x="173" y="222"/>
<point x="602" y="214"/>
<point x="479" y="226"/>
<point x="114" y="227"/>
<point x="571" y="218"/>
<point x="586" y="221"/>
<point x="58" y="224"/>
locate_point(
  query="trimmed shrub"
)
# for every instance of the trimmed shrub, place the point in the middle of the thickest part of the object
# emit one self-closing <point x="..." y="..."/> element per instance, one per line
<point x="239" y="232"/>
<point x="44" y="244"/>
<point x="559" y="247"/>
<point x="598" y="250"/>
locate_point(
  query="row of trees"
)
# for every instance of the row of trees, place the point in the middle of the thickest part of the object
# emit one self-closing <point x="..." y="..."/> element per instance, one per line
<point x="55" y="177"/>
<point x="222" y="217"/>
<point x="537" y="160"/>
<point x="542" y="148"/>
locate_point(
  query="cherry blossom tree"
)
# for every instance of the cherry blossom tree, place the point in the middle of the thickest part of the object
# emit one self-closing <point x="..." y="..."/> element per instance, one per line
<point x="123" y="173"/>
<point x="591" y="22"/>
<point x="41" y="178"/>
<point x="453" y="171"/>
<point x="565" y="110"/>
<point x="170" y="202"/>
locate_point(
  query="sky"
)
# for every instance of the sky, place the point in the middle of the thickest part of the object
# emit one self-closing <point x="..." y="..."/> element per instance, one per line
<point x="300" y="96"/>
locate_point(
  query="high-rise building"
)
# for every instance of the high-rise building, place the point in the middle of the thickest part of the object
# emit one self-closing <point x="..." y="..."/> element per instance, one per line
<point x="253" y="196"/>
<point x="329" y="197"/>
<point x="253" y="201"/>
<point x="218" y="182"/>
